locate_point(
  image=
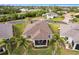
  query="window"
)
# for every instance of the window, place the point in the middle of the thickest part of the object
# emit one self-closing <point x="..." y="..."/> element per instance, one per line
<point x="40" y="42"/>
<point x="77" y="46"/>
<point x="49" y="36"/>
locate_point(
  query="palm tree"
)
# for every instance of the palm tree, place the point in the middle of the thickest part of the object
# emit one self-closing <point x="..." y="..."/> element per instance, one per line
<point x="13" y="44"/>
<point x="8" y="46"/>
<point x="57" y="43"/>
<point x="21" y="42"/>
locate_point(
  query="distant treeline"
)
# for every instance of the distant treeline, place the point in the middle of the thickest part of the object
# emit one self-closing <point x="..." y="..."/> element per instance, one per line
<point x="17" y="16"/>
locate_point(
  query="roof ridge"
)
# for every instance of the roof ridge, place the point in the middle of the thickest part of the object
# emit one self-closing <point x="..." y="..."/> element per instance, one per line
<point x="33" y="25"/>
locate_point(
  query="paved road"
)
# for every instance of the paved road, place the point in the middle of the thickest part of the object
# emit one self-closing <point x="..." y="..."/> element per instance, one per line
<point x="17" y="21"/>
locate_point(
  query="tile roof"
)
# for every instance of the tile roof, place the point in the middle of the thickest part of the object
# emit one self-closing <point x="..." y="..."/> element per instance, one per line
<point x="38" y="29"/>
<point x="70" y="30"/>
<point x="6" y="30"/>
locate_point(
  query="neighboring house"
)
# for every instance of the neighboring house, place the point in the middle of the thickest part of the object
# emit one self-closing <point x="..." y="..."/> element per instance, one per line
<point x="6" y="31"/>
<point x="39" y="33"/>
<point x="2" y="49"/>
<point x="34" y="10"/>
<point x="67" y="18"/>
<point x="72" y="32"/>
<point x="50" y="15"/>
<point x="23" y="10"/>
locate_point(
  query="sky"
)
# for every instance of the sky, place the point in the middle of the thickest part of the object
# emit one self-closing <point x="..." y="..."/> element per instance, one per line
<point x="39" y="1"/>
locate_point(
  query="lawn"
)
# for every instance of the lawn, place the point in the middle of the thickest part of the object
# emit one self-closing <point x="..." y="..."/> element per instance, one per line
<point x="19" y="51"/>
<point x="18" y="29"/>
<point x="40" y="51"/>
<point x="68" y="52"/>
<point x="34" y="18"/>
<point x="57" y="19"/>
<point x="54" y="27"/>
<point x="2" y="42"/>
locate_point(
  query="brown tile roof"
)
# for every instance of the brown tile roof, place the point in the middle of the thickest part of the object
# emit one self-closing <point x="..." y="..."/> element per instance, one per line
<point x="6" y="30"/>
<point x="38" y="30"/>
<point x="70" y="30"/>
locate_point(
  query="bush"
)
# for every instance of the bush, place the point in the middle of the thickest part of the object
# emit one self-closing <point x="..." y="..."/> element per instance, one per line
<point x="77" y="16"/>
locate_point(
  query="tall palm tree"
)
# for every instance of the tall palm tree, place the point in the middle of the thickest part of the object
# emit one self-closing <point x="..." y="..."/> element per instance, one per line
<point x="57" y="42"/>
<point x="21" y="42"/>
<point x="8" y="46"/>
<point x="14" y="43"/>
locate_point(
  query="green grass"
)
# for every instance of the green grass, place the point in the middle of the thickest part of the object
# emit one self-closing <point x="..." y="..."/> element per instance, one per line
<point x="54" y="27"/>
<point x="76" y="20"/>
<point x="57" y="19"/>
<point x="2" y="42"/>
<point x="18" y="29"/>
<point x="19" y="51"/>
<point x="68" y="52"/>
<point x="40" y="51"/>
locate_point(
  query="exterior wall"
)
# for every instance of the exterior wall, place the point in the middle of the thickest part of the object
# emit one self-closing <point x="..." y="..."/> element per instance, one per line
<point x="48" y="17"/>
<point x="70" y="39"/>
<point x="74" y="46"/>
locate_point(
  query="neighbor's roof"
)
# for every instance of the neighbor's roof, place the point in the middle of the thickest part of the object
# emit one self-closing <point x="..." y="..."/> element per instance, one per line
<point x="67" y="18"/>
<point x="39" y="29"/>
<point x="6" y="30"/>
<point x="70" y="30"/>
<point x="51" y="14"/>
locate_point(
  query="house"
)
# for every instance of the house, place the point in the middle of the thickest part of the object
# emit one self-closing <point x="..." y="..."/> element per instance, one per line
<point x="23" y="10"/>
<point x="2" y="49"/>
<point x="67" y="18"/>
<point x="50" y="15"/>
<point x="6" y="31"/>
<point x="71" y="31"/>
<point x="39" y="33"/>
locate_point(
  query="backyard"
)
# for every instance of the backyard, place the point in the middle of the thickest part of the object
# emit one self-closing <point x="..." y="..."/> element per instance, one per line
<point x="57" y="18"/>
<point x="18" y="29"/>
<point x="40" y="51"/>
<point x="68" y="52"/>
<point x="54" y="27"/>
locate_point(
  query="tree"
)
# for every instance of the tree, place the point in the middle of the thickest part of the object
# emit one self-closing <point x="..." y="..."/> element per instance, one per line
<point x="8" y="46"/>
<point x="57" y="42"/>
<point x="3" y="19"/>
<point x="14" y="43"/>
